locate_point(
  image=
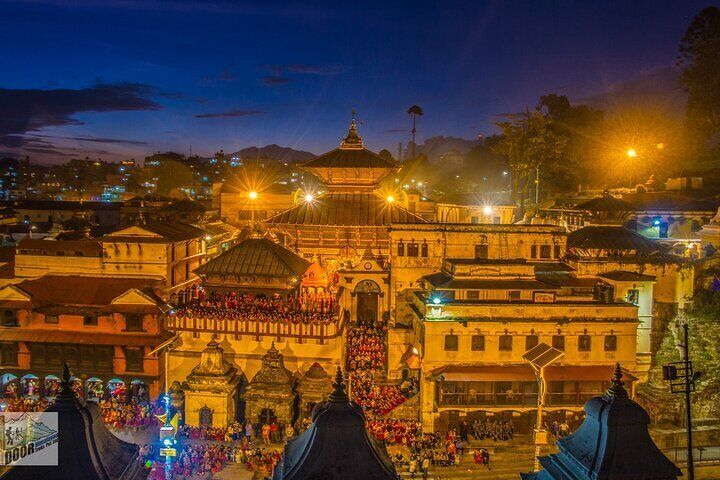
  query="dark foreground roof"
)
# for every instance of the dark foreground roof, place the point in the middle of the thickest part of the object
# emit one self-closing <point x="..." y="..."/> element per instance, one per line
<point x="613" y="442"/>
<point x="605" y="203"/>
<point x="608" y="237"/>
<point x="342" y="158"/>
<point x="346" y="209"/>
<point x="256" y="256"/>
<point x="87" y="450"/>
<point x="337" y="445"/>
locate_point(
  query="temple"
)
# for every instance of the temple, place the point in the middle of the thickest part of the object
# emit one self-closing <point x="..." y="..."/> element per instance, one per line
<point x="336" y="446"/>
<point x="613" y="442"/>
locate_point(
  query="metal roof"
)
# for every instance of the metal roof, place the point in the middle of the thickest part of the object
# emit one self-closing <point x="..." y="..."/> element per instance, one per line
<point x="610" y="238"/>
<point x="346" y="209"/>
<point x="256" y="256"/>
<point x="625" y="276"/>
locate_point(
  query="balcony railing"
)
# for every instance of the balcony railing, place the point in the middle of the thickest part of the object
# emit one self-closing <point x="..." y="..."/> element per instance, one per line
<point x="463" y="399"/>
<point x="318" y="331"/>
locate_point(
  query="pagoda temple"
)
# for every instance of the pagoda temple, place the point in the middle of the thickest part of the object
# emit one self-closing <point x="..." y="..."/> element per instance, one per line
<point x="86" y="448"/>
<point x="613" y="442"/>
<point x="336" y="446"/>
<point x="270" y="397"/>
<point x="351" y="212"/>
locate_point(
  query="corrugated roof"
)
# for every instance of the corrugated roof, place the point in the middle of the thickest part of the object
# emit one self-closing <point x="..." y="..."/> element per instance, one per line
<point x="256" y="256"/>
<point x="607" y="237"/>
<point x="346" y="209"/>
<point x="350" y="158"/>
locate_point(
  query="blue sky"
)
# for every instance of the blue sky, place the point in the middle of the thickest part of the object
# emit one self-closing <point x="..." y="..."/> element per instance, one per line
<point x="216" y="74"/>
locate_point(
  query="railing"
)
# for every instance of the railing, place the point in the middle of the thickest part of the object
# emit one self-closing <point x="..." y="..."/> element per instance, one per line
<point x="319" y="331"/>
<point x="709" y="455"/>
<point x="464" y="399"/>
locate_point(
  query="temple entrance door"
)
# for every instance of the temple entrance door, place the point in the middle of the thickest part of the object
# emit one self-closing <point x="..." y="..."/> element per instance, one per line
<point x="267" y="415"/>
<point x="368" y="301"/>
<point x="206" y="416"/>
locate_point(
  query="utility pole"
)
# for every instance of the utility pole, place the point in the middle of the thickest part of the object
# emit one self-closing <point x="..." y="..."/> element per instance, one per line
<point x="537" y="184"/>
<point x="682" y="380"/>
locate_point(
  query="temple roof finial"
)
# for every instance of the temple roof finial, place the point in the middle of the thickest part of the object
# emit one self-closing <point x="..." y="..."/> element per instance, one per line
<point x="617" y="389"/>
<point x="338" y="394"/>
<point x="353" y="140"/>
<point x="66" y="390"/>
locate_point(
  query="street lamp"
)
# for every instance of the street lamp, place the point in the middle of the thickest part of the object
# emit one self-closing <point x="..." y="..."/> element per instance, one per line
<point x="252" y="195"/>
<point x="309" y="197"/>
<point x="539" y="357"/>
<point x="632" y="153"/>
<point x="487" y="210"/>
<point x="390" y="199"/>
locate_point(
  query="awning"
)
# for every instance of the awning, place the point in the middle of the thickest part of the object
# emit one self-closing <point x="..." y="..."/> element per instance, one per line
<point x="523" y="373"/>
<point x="79" y="338"/>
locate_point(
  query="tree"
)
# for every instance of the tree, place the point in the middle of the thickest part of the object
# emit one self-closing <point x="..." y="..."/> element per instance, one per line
<point x="414" y="111"/>
<point x="529" y="143"/>
<point x="700" y="59"/>
<point x="386" y="154"/>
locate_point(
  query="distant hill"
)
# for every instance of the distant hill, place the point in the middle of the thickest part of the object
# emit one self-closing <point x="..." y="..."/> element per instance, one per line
<point x="433" y="147"/>
<point x="274" y="152"/>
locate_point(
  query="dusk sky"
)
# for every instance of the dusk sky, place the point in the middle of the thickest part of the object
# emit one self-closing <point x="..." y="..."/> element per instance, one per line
<point x="125" y="78"/>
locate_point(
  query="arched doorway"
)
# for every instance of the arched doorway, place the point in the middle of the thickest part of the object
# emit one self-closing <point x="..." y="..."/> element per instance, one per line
<point x="367" y="295"/>
<point x="267" y="415"/>
<point x="206" y="415"/>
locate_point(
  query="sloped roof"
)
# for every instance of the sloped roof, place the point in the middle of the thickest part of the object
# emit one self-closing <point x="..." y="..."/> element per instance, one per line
<point x="605" y="203"/>
<point x="256" y="256"/>
<point x="169" y="231"/>
<point x="184" y="206"/>
<point x="86" y="448"/>
<point x="89" y="248"/>
<point x="346" y="209"/>
<point x="613" y="442"/>
<point x="625" y="276"/>
<point x="81" y="290"/>
<point x="350" y="158"/>
<point x="607" y="237"/>
<point x="442" y="280"/>
<point x="336" y="445"/>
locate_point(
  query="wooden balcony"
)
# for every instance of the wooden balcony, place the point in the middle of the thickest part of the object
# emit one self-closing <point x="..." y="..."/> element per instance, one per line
<point x="256" y="329"/>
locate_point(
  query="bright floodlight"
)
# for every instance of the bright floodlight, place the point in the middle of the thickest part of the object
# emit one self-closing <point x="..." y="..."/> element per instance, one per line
<point x="436" y="300"/>
<point x="252" y="195"/>
<point x="390" y="199"/>
<point x="487" y="210"/>
<point x="631" y="153"/>
<point x="309" y="197"/>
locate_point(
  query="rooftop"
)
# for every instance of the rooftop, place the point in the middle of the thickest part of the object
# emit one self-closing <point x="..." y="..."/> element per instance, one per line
<point x="608" y="237"/>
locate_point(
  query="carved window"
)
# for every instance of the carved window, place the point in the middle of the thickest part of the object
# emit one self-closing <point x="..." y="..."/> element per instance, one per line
<point x="477" y="343"/>
<point x="505" y="343"/>
<point x="584" y="343"/>
<point x="451" y="343"/>
<point x="610" y="343"/>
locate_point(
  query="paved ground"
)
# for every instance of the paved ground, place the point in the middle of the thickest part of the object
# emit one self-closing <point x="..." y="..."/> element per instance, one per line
<point x="507" y="461"/>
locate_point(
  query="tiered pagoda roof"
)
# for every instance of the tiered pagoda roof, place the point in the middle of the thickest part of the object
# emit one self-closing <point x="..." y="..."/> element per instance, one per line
<point x="612" y="443"/>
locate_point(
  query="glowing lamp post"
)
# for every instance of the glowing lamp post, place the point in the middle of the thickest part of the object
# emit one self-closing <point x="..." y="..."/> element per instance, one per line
<point x="252" y="195"/>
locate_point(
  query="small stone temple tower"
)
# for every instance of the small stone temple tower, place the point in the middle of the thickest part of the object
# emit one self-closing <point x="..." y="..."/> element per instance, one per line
<point x="212" y="389"/>
<point x="314" y="388"/>
<point x="270" y="396"/>
<point x="613" y="443"/>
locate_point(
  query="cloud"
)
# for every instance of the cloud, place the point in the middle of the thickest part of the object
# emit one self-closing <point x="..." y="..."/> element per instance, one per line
<point x="29" y="110"/>
<point x="226" y="75"/>
<point x="230" y="114"/>
<point x="50" y="151"/>
<point x="311" y="69"/>
<point x="94" y="139"/>
<point x="275" y="80"/>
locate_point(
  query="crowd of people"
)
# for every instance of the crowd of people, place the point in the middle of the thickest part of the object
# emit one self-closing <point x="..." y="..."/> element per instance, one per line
<point x="366" y="354"/>
<point x="118" y="414"/>
<point x="495" y="430"/>
<point x="274" y="308"/>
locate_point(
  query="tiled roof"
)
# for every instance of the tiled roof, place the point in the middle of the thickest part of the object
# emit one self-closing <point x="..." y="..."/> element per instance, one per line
<point x="82" y="338"/>
<point x="175" y="231"/>
<point x="346" y="209"/>
<point x="81" y="290"/>
<point x="610" y="238"/>
<point x="256" y="256"/>
<point x="350" y="158"/>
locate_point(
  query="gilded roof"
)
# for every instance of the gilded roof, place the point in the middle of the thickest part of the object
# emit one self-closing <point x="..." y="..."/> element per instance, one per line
<point x="605" y="203"/>
<point x="350" y="158"/>
<point x="256" y="256"/>
<point x="346" y="209"/>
